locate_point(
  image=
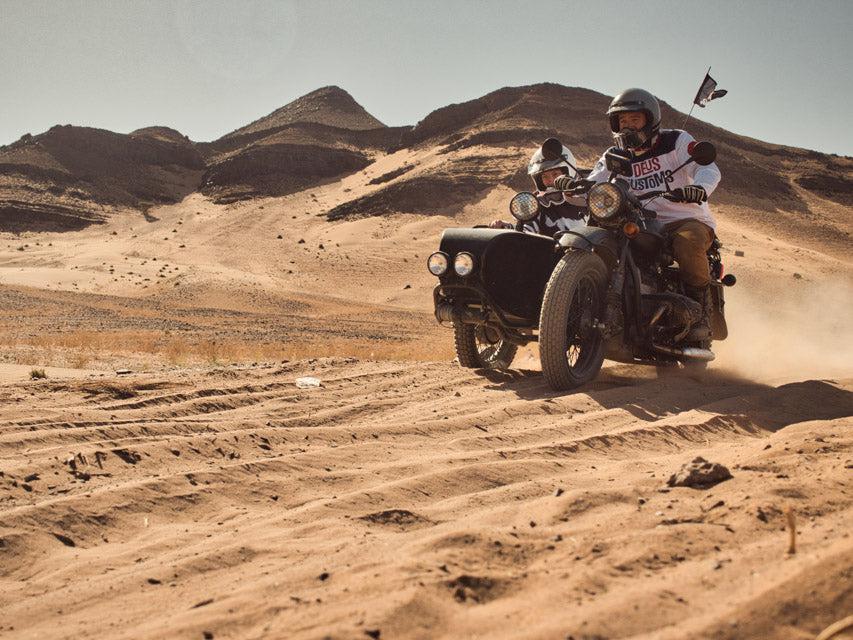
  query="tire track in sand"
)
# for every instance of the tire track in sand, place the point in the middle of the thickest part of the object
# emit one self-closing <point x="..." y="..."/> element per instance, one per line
<point x="439" y="502"/>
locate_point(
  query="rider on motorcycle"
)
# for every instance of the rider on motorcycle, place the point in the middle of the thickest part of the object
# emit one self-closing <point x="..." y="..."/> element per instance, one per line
<point x="557" y="210"/>
<point x="635" y="119"/>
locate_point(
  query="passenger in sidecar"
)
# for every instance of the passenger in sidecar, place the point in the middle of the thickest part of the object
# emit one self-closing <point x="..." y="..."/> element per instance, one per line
<point x="558" y="210"/>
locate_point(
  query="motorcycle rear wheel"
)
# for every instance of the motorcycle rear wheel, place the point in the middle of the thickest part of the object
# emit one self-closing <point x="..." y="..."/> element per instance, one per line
<point x="482" y="347"/>
<point x="571" y="349"/>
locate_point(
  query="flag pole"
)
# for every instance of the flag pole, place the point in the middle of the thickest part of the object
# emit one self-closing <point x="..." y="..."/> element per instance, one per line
<point x="693" y="106"/>
<point x="684" y="124"/>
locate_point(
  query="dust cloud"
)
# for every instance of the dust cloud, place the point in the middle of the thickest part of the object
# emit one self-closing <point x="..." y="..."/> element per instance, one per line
<point x="804" y="333"/>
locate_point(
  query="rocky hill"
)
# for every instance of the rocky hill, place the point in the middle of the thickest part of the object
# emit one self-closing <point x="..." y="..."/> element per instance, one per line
<point x="289" y="158"/>
<point x="485" y="142"/>
<point x="316" y="138"/>
<point x="330" y="106"/>
<point x="69" y="177"/>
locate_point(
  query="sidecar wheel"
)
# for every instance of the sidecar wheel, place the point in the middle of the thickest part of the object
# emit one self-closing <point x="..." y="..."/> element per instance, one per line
<point x="570" y="347"/>
<point x="482" y="347"/>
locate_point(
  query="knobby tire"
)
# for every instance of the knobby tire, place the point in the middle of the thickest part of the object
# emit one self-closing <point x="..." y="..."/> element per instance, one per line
<point x="577" y="283"/>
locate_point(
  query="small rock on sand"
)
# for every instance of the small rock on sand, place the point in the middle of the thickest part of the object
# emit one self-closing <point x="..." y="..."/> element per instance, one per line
<point x="699" y="474"/>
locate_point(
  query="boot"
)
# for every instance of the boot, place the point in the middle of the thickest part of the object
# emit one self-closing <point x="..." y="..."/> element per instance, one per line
<point x="701" y="330"/>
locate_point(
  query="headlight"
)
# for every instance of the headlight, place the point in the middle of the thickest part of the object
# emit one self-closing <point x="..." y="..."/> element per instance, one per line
<point x="463" y="264"/>
<point x="605" y="200"/>
<point x="524" y="206"/>
<point x="437" y="263"/>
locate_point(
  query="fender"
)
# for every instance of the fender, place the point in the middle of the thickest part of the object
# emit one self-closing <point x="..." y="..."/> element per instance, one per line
<point x="595" y="239"/>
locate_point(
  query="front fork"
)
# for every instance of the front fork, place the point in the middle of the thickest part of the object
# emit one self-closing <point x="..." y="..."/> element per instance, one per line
<point x="620" y="307"/>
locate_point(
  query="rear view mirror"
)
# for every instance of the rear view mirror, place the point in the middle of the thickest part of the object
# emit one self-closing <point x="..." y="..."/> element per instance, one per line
<point x="552" y="149"/>
<point x="619" y="161"/>
<point x="703" y="153"/>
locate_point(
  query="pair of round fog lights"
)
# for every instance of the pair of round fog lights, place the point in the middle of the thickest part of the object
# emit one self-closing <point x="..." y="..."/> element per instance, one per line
<point x="463" y="263"/>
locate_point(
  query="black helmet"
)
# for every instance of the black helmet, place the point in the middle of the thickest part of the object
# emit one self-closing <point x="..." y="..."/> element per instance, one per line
<point x="634" y="100"/>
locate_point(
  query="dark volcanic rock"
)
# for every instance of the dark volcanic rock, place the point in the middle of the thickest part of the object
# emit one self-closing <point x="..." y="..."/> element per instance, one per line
<point x="400" y="517"/>
<point x="834" y="187"/>
<point x="274" y="170"/>
<point x="68" y="542"/>
<point x="128" y="456"/>
<point x="476" y="589"/>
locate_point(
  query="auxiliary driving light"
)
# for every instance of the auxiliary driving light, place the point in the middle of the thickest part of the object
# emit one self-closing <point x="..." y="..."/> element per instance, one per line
<point x="437" y="263"/>
<point x="463" y="264"/>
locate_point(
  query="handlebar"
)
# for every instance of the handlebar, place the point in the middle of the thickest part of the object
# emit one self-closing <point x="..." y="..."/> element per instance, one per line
<point x="576" y="191"/>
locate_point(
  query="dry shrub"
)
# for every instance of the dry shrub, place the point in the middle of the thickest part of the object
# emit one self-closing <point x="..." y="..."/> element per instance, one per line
<point x="81" y="349"/>
<point x="99" y="341"/>
<point x="176" y="351"/>
<point x="80" y="359"/>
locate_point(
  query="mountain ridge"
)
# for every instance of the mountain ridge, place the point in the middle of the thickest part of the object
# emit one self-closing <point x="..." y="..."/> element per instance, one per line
<point x="79" y="175"/>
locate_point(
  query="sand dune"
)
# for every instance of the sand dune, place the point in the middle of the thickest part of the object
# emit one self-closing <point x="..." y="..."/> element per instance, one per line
<point x="202" y="494"/>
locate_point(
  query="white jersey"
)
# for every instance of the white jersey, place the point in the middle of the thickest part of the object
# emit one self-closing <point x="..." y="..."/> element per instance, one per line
<point x="651" y="169"/>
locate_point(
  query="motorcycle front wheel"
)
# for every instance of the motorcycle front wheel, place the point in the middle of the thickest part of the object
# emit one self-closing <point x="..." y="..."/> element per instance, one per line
<point x="571" y="348"/>
<point x="482" y="347"/>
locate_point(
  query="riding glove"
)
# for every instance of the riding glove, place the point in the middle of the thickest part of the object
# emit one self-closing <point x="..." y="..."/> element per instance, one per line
<point x="565" y="183"/>
<point x="691" y="194"/>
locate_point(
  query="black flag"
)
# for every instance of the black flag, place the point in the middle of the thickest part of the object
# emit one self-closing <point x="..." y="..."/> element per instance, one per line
<point x="708" y="91"/>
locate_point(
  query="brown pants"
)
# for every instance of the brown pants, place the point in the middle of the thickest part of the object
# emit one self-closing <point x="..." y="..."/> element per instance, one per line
<point x="691" y="240"/>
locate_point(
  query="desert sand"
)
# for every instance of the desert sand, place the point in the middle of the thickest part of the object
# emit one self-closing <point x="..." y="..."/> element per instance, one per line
<point x="200" y="493"/>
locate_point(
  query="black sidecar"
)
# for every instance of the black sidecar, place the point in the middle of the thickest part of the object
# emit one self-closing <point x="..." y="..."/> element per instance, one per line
<point x="491" y="283"/>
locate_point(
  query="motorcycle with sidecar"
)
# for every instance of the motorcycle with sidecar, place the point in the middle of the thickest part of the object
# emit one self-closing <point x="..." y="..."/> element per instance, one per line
<point x="606" y="290"/>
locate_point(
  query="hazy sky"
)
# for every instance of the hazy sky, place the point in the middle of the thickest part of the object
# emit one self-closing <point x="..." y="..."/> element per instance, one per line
<point x="206" y="68"/>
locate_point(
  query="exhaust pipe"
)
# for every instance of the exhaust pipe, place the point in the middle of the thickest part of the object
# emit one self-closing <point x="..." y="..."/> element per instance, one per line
<point x="446" y="312"/>
<point x="688" y="353"/>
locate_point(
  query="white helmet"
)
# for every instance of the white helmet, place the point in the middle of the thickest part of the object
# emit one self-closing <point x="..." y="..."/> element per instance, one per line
<point x="551" y="155"/>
